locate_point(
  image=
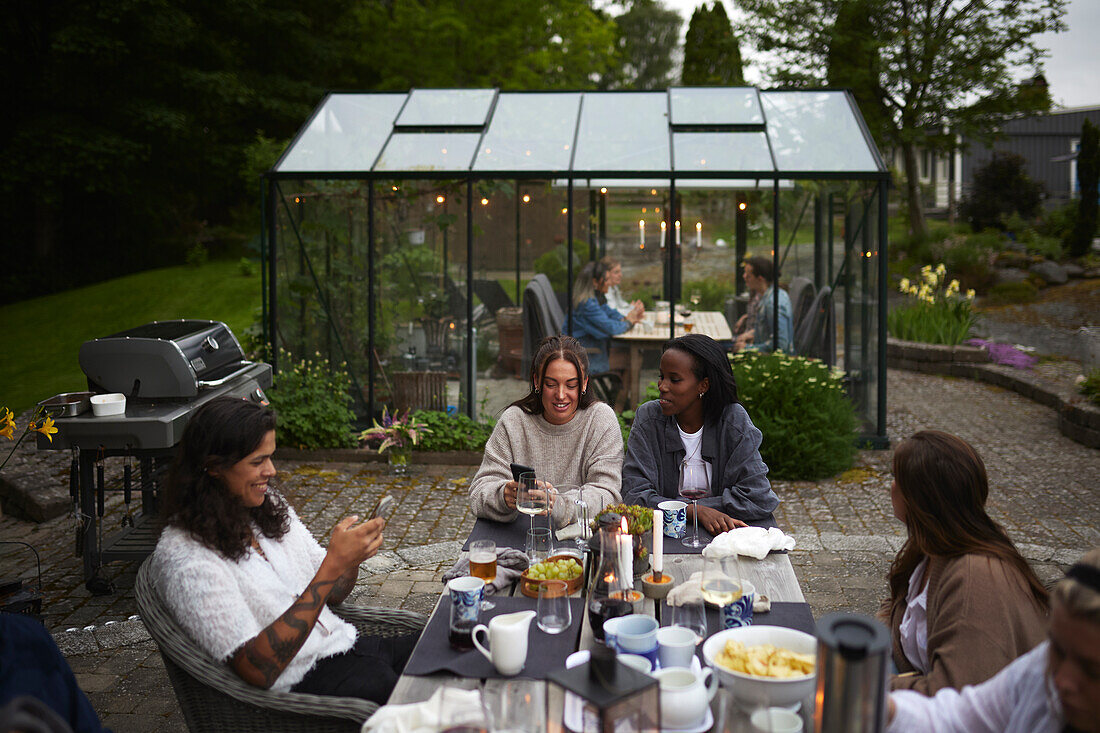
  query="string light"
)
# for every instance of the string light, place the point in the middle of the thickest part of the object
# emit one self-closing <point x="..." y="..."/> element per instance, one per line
<point x="484" y="202"/>
<point x="394" y="187"/>
<point x="526" y="199"/>
<point x="742" y="206"/>
<point x="565" y="209"/>
<point x="440" y="199"/>
<point x="604" y="190"/>
<point x="653" y="191"/>
<point x="297" y="200"/>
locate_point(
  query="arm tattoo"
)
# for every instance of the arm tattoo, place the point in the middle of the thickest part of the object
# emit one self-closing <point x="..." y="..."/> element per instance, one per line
<point x="343" y="587"/>
<point x="285" y="636"/>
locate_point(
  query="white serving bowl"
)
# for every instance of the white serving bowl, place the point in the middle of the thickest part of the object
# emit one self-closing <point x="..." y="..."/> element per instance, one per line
<point x="751" y="690"/>
<point x="113" y="403"/>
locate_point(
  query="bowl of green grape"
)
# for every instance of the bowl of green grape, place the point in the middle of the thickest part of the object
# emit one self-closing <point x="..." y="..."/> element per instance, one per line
<point x="557" y="567"/>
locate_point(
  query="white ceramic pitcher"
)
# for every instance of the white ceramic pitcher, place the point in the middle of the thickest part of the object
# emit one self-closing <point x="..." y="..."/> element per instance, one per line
<point x="685" y="695"/>
<point x="507" y="638"/>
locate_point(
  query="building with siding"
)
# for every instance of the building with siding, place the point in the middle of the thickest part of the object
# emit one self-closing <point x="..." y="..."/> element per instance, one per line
<point x="1048" y="143"/>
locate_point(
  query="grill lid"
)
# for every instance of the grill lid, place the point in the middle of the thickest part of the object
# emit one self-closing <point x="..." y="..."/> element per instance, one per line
<point x="162" y="359"/>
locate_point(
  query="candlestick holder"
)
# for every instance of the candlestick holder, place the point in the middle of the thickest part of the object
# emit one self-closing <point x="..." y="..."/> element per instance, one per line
<point x="658" y="589"/>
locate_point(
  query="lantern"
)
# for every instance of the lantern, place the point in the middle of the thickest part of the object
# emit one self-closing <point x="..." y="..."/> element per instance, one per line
<point x="602" y="695"/>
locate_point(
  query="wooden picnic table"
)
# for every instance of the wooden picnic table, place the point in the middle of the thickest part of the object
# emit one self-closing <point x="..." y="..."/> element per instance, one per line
<point x="653" y="331"/>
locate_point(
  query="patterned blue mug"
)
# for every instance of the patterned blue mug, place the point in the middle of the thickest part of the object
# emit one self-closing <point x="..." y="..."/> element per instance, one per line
<point x="676" y="517"/>
<point x="466" y="593"/>
<point x="739" y="613"/>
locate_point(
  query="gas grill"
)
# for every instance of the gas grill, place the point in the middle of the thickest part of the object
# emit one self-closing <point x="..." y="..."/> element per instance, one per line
<point x="167" y="370"/>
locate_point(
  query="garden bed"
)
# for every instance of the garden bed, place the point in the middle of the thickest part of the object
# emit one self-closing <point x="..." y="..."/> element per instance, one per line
<point x="1078" y="419"/>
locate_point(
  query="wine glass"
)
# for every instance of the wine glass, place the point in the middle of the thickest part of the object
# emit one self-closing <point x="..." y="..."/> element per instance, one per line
<point x="696" y="298"/>
<point x="573" y="494"/>
<point x="531" y="497"/>
<point x="693" y="485"/>
<point x="721" y="580"/>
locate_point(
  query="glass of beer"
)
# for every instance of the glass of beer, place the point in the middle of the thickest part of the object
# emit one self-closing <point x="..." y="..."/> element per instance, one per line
<point x="483" y="564"/>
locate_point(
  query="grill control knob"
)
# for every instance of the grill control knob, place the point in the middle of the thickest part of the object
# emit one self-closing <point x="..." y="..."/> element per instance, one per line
<point x="210" y="344"/>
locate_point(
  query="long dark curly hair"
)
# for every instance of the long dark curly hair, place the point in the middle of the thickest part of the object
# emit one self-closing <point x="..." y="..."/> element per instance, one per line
<point x="549" y="349"/>
<point x="222" y="432"/>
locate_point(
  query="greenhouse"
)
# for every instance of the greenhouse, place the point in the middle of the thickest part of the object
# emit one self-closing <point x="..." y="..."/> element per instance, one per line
<point x="408" y="235"/>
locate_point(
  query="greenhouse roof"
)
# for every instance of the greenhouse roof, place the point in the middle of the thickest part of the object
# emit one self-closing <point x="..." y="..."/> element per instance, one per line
<point x="722" y="135"/>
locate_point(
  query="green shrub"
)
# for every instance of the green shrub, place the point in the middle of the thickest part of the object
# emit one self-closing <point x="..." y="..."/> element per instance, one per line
<point x="1001" y="187"/>
<point x="1058" y="223"/>
<point x="553" y="265"/>
<point x="969" y="259"/>
<point x="311" y="399"/>
<point x="800" y="406"/>
<point x="246" y="267"/>
<point x="1091" y="386"/>
<point x="1014" y="292"/>
<point x="935" y="314"/>
<point x="712" y="291"/>
<point x="452" y="432"/>
<point x="197" y="256"/>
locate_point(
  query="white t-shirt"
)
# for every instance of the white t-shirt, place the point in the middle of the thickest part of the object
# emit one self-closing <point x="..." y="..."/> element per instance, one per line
<point x="693" y="447"/>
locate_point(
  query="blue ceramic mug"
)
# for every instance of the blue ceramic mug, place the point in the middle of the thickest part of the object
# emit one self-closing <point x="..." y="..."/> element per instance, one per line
<point x="676" y="517"/>
<point x="739" y="613"/>
<point x="466" y="593"/>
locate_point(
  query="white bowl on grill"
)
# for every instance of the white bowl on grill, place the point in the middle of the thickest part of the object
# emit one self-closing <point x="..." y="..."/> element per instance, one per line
<point x="104" y="405"/>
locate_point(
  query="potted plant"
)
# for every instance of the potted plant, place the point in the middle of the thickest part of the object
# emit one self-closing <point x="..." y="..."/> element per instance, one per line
<point x="398" y="433"/>
<point x="639" y="523"/>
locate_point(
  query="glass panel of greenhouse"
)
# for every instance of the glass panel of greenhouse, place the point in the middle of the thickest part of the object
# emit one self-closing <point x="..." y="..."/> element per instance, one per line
<point x="402" y="231"/>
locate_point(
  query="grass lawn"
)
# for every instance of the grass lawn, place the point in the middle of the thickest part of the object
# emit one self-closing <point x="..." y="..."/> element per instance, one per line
<point x="40" y="338"/>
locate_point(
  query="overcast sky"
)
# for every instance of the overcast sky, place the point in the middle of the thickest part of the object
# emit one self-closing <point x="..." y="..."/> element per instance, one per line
<point x="1071" y="69"/>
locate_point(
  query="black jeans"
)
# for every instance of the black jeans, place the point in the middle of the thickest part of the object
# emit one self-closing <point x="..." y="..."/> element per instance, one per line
<point x="368" y="670"/>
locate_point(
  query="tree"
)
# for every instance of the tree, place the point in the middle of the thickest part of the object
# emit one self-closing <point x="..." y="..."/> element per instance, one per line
<point x="649" y="36"/>
<point x="711" y="53"/>
<point x="1088" y="172"/>
<point x="852" y="61"/>
<point x="943" y="67"/>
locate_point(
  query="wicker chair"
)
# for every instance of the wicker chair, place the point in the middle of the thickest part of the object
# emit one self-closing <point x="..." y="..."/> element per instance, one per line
<point x="214" y="698"/>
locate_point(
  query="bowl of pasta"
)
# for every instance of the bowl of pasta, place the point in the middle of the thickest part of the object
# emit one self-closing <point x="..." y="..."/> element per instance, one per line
<point x="764" y="664"/>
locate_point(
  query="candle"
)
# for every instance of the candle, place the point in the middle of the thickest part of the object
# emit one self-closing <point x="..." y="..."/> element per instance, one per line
<point x="677" y="233"/>
<point x="626" y="559"/>
<point x="641" y="232"/>
<point x="698" y="235"/>
<point x="658" y="542"/>
<point x="663" y="226"/>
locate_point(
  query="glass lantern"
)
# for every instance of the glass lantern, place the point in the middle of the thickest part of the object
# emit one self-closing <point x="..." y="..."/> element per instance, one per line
<point x="602" y="695"/>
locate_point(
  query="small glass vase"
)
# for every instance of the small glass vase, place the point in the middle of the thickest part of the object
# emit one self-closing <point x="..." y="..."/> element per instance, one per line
<point x="398" y="460"/>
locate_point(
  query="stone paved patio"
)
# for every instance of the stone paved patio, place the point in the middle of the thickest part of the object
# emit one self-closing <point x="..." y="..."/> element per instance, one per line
<point x="1045" y="489"/>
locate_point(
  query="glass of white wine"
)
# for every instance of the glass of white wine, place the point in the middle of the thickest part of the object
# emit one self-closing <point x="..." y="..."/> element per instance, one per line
<point x="721" y="580"/>
<point x="532" y="496"/>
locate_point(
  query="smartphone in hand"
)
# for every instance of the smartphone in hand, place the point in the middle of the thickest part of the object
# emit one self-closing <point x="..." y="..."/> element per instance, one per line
<point x="518" y="469"/>
<point x="383" y="507"/>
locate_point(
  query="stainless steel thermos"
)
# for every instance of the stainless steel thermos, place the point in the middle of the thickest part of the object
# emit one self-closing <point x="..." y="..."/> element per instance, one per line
<point x="853" y="664"/>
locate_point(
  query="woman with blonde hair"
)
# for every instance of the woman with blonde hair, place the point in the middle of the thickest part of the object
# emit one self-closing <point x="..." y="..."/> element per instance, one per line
<point x="1054" y="687"/>
<point x="594" y="323"/>
<point x="963" y="601"/>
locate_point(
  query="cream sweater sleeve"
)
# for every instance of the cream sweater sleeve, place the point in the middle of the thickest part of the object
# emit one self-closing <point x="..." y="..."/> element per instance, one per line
<point x="487" y="488"/>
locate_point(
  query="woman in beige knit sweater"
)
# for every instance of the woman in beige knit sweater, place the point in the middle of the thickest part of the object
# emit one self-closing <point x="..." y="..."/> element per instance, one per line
<point x="561" y="431"/>
<point x="963" y="602"/>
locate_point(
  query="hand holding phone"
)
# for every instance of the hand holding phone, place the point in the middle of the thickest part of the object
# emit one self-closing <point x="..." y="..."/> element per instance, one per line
<point x="519" y="469"/>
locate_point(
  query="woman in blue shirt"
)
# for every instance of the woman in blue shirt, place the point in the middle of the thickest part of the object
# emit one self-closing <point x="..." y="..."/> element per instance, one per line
<point x="594" y="323"/>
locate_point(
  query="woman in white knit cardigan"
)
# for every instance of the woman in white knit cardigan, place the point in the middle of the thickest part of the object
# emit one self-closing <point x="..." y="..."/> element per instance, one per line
<point x="561" y="431"/>
<point x="248" y="581"/>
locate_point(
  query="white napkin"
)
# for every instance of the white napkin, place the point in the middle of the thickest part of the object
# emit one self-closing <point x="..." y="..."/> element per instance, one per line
<point x="569" y="532"/>
<point x="691" y="591"/>
<point x="422" y="717"/>
<point x="754" y="542"/>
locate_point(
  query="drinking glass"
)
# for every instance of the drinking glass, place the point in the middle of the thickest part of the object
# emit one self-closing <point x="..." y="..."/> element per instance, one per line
<point x="462" y="711"/>
<point x="696" y="298"/>
<point x="721" y="580"/>
<point x="693" y="486"/>
<point x="573" y="494"/>
<point x="538" y="545"/>
<point x="692" y="615"/>
<point x="511" y="703"/>
<point x="554" y="614"/>
<point x="483" y="564"/>
<point x="532" y="496"/>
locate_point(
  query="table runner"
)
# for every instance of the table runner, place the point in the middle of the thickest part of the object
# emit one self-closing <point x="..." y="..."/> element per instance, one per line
<point x="545" y="652"/>
<point x="514" y="534"/>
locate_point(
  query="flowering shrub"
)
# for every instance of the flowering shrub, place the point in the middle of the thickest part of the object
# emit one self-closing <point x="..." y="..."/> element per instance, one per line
<point x="396" y="431"/>
<point x="1006" y="354"/>
<point x="39" y="423"/>
<point x="311" y="399"/>
<point x="937" y="315"/>
<point x="801" y="407"/>
<point x="445" y="432"/>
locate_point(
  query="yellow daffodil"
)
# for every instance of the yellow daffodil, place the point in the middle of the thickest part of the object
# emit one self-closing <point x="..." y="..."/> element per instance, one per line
<point x="47" y="428"/>
<point x="941" y="270"/>
<point x="7" y="430"/>
<point x="970" y="294"/>
<point x="904" y="285"/>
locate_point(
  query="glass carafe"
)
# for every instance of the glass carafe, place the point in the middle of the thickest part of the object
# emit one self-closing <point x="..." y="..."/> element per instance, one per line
<point x="609" y="590"/>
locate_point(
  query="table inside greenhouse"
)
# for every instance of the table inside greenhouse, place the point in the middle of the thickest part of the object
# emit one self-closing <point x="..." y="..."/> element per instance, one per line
<point x="652" y="333"/>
